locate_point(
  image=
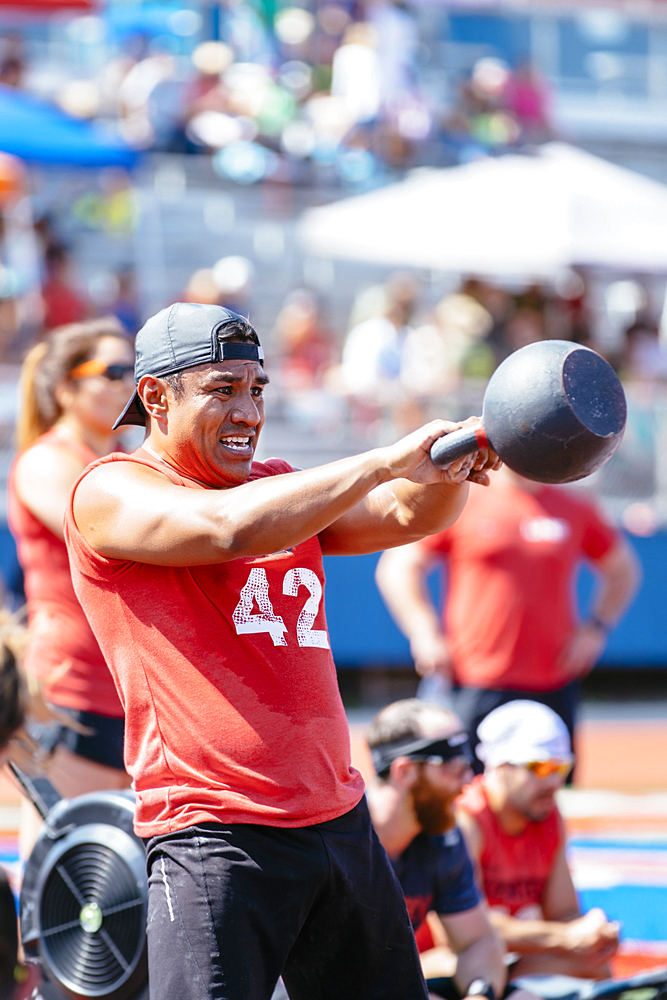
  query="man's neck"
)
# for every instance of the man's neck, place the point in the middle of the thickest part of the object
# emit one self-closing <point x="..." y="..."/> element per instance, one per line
<point x="393" y="817"/>
<point x="149" y="446"/>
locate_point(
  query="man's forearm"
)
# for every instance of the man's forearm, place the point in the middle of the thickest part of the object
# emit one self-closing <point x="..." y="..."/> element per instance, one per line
<point x="618" y="581"/>
<point x="401" y="578"/>
<point x="530" y="936"/>
<point x="481" y="960"/>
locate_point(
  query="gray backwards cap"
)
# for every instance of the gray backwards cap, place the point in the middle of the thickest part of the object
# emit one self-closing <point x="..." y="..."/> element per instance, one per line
<point x="182" y="336"/>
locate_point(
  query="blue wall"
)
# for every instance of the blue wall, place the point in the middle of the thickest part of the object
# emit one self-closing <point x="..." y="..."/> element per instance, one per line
<point x="363" y="634"/>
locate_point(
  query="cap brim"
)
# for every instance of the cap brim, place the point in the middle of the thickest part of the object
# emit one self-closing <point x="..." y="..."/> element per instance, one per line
<point x="133" y="413"/>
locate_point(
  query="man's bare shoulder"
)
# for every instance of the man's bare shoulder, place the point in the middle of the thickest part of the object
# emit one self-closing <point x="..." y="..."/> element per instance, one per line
<point x="113" y="482"/>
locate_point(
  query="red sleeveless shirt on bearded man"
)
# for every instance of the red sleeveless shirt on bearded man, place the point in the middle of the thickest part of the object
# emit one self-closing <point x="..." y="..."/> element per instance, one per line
<point x="514" y="869"/>
<point x="233" y="712"/>
<point x="63" y="652"/>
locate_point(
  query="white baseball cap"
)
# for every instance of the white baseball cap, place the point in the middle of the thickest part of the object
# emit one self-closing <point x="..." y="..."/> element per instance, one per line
<point x="520" y="732"/>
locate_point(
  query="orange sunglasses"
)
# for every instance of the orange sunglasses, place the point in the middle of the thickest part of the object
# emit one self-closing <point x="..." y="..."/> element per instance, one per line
<point x="545" y="768"/>
<point x="113" y="372"/>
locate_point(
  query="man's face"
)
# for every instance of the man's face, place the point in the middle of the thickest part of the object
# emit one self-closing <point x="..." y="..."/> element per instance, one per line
<point x="531" y="796"/>
<point x="213" y="426"/>
<point x="433" y="794"/>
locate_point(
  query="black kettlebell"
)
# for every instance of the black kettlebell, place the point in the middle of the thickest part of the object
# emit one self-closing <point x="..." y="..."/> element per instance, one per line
<point x="554" y="411"/>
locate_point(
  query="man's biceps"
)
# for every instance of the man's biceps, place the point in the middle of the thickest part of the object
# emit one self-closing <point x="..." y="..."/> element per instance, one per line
<point x="346" y="531"/>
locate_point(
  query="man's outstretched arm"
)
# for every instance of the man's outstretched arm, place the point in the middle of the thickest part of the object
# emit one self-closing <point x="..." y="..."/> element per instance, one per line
<point x="128" y="511"/>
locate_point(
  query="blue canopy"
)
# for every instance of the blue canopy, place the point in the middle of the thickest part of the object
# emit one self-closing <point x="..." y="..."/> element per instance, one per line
<point x="34" y="130"/>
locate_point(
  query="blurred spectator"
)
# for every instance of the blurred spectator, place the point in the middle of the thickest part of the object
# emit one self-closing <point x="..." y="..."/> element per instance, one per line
<point x="525" y="326"/>
<point x="12" y="61"/>
<point x="62" y="302"/>
<point x="205" y="90"/>
<point x="498" y="304"/>
<point x="509" y="628"/>
<point x="126" y="305"/>
<point x="396" y="30"/>
<point x="573" y="299"/>
<point x="11" y="72"/>
<point x="526" y="96"/>
<point x="373" y="351"/>
<point x="233" y="277"/>
<point x="533" y="297"/>
<point x="9" y="313"/>
<point x="20" y="261"/>
<point x="479" y="123"/>
<point x="302" y="341"/>
<point x="367" y="304"/>
<point x="134" y="95"/>
<point x="645" y="354"/>
<point x="356" y="74"/>
<point x="227" y="283"/>
<point x="201" y="288"/>
<point x="438" y="354"/>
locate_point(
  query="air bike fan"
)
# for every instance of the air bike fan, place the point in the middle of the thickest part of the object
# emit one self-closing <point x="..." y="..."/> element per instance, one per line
<point x="84" y="896"/>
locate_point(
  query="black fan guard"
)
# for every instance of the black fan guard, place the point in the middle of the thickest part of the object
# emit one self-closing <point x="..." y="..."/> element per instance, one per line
<point x="84" y="900"/>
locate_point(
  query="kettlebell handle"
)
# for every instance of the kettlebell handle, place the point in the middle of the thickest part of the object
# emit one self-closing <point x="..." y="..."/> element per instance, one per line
<point x="465" y="441"/>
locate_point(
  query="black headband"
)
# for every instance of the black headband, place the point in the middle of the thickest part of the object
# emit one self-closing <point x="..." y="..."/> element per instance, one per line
<point x="235" y="351"/>
<point x="445" y="748"/>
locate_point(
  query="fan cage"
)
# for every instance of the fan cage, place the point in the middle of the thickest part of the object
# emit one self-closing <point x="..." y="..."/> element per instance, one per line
<point x="104" y="866"/>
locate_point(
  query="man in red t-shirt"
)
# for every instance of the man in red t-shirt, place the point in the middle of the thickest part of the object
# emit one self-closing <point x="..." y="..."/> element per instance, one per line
<point x="200" y="571"/>
<point x="509" y="627"/>
<point x="516" y="839"/>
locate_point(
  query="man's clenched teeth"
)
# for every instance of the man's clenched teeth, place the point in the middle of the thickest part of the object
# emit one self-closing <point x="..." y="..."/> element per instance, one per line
<point x="236" y="443"/>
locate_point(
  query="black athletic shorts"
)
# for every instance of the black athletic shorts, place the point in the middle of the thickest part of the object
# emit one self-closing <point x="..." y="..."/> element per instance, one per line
<point x="232" y="907"/>
<point x="102" y="743"/>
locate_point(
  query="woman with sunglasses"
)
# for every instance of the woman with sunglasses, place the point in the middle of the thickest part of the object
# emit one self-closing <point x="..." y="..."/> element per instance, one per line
<point x="73" y="386"/>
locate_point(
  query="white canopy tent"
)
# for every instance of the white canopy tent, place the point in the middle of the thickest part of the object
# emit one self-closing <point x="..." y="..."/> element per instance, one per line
<point x="515" y="215"/>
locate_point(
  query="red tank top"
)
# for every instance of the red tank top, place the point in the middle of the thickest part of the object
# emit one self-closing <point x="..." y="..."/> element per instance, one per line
<point x="62" y="644"/>
<point x="514" y="869"/>
<point x="232" y="706"/>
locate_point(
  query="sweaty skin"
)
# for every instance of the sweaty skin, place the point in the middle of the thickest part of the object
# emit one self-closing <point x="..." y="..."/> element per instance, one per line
<point x="209" y="432"/>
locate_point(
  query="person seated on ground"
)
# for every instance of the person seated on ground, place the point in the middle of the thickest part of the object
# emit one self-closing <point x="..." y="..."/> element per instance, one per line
<point x="422" y="760"/>
<point x="516" y="838"/>
<point x="14" y="744"/>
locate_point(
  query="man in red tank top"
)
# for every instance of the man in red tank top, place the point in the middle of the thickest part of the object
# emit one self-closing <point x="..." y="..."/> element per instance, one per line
<point x="516" y="839"/>
<point x="200" y="571"/>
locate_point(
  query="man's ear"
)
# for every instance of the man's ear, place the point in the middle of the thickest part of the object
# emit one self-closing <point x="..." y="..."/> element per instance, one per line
<point x="153" y="394"/>
<point x="403" y="772"/>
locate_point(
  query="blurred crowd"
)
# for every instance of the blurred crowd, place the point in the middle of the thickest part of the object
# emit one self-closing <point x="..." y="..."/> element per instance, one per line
<point x="294" y="95"/>
<point x="400" y="352"/>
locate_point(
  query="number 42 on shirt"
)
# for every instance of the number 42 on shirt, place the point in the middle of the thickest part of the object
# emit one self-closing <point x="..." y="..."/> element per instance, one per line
<point x="256" y="591"/>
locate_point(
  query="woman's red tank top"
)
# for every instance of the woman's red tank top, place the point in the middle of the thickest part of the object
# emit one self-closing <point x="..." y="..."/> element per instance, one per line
<point x="63" y="652"/>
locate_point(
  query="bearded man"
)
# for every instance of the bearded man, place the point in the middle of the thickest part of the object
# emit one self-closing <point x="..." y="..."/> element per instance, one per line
<point x="422" y="760"/>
